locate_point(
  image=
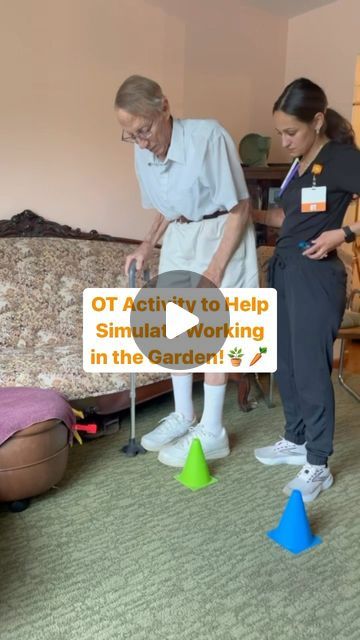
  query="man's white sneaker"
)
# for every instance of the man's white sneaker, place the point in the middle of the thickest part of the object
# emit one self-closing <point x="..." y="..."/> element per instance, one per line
<point x="310" y="480"/>
<point x="214" y="446"/>
<point x="173" y="426"/>
<point x="282" y="452"/>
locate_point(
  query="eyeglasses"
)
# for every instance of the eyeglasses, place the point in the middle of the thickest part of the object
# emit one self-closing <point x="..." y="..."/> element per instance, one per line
<point x="142" y="134"/>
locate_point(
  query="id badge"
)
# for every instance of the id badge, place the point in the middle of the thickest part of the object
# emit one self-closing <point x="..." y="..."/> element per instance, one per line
<point x="313" y="199"/>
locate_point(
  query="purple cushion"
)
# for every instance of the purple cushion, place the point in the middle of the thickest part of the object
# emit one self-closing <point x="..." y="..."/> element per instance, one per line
<point x="21" y="407"/>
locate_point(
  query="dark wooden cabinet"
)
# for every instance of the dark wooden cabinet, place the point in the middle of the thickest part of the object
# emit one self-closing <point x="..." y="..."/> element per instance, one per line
<point x="262" y="183"/>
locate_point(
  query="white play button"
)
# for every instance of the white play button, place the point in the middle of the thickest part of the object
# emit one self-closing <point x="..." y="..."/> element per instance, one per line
<point x="178" y="320"/>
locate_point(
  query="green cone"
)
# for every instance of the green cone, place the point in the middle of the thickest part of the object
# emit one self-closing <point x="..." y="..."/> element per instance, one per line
<point x="195" y="474"/>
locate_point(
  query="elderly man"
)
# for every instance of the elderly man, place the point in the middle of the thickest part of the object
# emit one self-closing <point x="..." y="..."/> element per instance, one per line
<point x="190" y="172"/>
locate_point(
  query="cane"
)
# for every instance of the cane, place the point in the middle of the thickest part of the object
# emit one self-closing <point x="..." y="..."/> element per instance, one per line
<point x="132" y="448"/>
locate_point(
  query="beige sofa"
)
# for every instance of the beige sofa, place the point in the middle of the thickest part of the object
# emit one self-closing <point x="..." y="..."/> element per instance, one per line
<point x="44" y="268"/>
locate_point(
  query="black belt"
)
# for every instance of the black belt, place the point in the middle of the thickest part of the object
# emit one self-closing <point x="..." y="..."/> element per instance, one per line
<point x="209" y="216"/>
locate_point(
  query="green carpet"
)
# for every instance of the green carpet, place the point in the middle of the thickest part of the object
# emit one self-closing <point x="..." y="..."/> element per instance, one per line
<point x="121" y="551"/>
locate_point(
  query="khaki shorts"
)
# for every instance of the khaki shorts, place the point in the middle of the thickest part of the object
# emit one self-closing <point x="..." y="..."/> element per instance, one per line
<point x="190" y="247"/>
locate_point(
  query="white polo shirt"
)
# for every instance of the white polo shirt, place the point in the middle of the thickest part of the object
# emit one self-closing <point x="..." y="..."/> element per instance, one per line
<point x="201" y="173"/>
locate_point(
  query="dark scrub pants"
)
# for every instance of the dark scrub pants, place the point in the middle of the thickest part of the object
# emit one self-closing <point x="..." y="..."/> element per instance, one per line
<point x="311" y="303"/>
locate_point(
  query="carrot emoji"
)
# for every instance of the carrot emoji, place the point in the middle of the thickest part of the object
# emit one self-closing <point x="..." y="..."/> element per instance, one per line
<point x="257" y="356"/>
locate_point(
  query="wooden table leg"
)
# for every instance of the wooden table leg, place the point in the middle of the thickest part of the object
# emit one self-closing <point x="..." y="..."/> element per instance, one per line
<point x="243" y="382"/>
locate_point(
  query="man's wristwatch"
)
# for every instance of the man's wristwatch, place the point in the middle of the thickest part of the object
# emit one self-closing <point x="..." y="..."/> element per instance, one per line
<point x="349" y="235"/>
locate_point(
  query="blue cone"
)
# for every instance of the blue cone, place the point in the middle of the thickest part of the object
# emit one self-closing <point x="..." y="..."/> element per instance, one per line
<point x="293" y="531"/>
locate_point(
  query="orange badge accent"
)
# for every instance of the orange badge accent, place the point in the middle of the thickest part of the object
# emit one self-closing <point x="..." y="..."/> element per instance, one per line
<point x="317" y="169"/>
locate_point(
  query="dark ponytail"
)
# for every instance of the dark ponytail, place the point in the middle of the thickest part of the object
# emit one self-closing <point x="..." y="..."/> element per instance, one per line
<point x="338" y="128"/>
<point x="303" y="99"/>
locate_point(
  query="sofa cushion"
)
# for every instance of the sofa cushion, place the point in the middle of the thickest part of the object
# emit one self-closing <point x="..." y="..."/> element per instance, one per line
<point x="60" y="368"/>
<point x="41" y="311"/>
<point x="42" y="280"/>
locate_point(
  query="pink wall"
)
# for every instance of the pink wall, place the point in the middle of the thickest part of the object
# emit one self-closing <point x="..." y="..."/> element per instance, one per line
<point x="234" y="63"/>
<point x="60" y="65"/>
<point x="323" y="45"/>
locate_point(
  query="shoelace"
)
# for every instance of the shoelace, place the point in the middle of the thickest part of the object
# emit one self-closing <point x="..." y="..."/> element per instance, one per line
<point x="169" y="421"/>
<point x="283" y="444"/>
<point x="193" y="432"/>
<point x="309" y="473"/>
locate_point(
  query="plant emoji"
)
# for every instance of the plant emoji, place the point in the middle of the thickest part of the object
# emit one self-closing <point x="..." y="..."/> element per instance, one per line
<point x="257" y="356"/>
<point x="235" y="355"/>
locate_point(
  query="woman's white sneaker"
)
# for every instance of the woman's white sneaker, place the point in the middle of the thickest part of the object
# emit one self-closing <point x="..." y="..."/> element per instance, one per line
<point x="311" y="480"/>
<point x="214" y="446"/>
<point x="173" y="426"/>
<point x="282" y="452"/>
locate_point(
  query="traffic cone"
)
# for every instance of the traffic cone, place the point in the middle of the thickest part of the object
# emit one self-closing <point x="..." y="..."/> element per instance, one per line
<point x="195" y="474"/>
<point x="293" y="531"/>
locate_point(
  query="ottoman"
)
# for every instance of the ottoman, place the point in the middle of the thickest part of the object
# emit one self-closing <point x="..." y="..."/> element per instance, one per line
<point x="34" y="450"/>
<point x="32" y="461"/>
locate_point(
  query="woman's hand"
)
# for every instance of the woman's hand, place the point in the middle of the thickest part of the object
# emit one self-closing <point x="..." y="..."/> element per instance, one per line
<point x="141" y="255"/>
<point x="327" y="241"/>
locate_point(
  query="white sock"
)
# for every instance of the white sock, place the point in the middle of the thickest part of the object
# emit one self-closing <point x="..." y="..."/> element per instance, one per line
<point x="214" y="396"/>
<point x="182" y="387"/>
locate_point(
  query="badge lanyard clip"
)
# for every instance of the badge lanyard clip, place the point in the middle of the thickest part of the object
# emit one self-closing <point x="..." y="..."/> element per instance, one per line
<point x="316" y="170"/>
